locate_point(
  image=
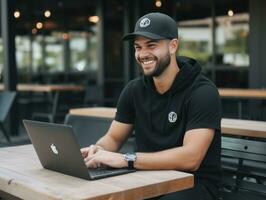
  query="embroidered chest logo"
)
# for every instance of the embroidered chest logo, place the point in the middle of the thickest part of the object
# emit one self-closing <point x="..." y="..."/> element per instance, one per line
<point x="172" y="117"/>
<point x="144" y="22"/>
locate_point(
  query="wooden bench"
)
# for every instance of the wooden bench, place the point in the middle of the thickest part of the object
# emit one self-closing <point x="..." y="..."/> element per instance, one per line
<point x="243" y="159"/>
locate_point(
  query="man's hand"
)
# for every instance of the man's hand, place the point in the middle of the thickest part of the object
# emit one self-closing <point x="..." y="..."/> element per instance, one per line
<point x="89" y="151"/>
<point x="105" y="158"/>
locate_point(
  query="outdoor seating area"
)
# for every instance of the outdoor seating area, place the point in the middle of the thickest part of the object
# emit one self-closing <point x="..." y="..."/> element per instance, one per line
<point x="165" y="70"/>
<point x="243" y="152"/>
<point x="243" y="149"/>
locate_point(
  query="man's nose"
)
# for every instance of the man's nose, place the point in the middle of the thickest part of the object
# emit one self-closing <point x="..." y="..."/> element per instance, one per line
<point x="143" y="53"/>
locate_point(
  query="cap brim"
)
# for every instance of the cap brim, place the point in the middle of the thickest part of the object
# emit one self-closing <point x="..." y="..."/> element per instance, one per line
<point x="131" y="36"/>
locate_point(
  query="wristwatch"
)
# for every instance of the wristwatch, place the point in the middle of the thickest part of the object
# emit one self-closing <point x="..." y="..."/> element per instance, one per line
<point x="130" y="158"/>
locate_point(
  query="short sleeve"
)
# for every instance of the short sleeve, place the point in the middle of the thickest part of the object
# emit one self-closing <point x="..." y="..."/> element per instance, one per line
<point x="204" y="108"/>
<point x="125" y="106"/>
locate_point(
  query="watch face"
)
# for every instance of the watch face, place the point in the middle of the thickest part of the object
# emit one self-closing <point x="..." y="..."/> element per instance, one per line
<point x="130" y="157"/>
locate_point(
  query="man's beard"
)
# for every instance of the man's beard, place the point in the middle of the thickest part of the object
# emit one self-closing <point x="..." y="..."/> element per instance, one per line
<point x="159" y="68"/>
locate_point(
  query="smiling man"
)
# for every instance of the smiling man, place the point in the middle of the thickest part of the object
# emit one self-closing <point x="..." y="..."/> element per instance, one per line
<point x="174" y="110"/>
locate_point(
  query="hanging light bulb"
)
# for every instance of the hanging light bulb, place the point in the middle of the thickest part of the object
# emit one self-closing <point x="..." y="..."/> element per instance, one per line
<point x="47" y="13"/>
<point x="17" y="14"/>
<point x="158" y="3"/>
<point x="93" y="19"/>
<point x="230" y="13"/>
<point x="39" y="25"/>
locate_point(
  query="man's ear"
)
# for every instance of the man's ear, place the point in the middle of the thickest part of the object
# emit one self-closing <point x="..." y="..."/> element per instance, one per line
<point x="173" y="46"/>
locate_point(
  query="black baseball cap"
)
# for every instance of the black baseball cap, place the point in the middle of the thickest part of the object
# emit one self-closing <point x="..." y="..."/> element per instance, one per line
<point x="154" y="26"/>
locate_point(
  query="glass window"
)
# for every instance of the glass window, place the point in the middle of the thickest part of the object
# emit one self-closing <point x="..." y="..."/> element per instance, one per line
<point x="195" y="39"/>
<point x="47" y="54"/>
<point x="83" y="48"/>
<point x="23" y="53"/>
<point x="37" y="54"/>
<point x="232" y="39"/>
<point x="78" y="47"/>
<point x="53" y="60"/>
<point x="1" y="60"/>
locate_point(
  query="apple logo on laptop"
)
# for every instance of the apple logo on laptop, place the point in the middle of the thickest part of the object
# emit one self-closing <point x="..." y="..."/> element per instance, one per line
<point x="54" y="150"/>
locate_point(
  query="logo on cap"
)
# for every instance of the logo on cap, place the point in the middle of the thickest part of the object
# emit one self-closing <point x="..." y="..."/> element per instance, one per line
<point x="144" y="22"/>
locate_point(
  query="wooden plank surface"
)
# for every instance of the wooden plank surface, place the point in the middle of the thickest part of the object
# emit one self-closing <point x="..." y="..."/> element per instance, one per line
<point x="22" y="175"/>
<point x="96" y="111"/>
<point x="229" y="126"/>
<point x="242" y="127"/>
<point x="45" y="88"/>
<point x="242" y="93"/>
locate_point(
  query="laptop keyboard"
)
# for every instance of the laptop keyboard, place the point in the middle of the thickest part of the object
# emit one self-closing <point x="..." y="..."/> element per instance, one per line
<point x="105" y="172"/>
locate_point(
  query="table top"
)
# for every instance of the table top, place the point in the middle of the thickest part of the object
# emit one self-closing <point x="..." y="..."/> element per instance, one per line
<point x="242" y="93"/>
<point x="22" y="175"/>
<point x="46" y="88"/>
<point x="95" y="111"/>
<point x="229" y="126"/>
<point x="242" y="127"/>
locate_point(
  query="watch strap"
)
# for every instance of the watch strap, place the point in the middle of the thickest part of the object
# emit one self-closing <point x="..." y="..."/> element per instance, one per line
<point x="130" y="158"/>
<point x="130" y="164"/>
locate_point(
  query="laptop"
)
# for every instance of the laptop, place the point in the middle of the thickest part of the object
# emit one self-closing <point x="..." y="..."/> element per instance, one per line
<point x="58" y="150"/>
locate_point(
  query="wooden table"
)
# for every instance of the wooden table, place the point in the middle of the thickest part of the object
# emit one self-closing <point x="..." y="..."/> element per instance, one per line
<point x="45" y="88"/>
<point x="52" y="89"/>
<point x="22" y="175"/>
<point x="229" y="126"/>
<point x="241" y="94"/>
<point x="241" y="127"/>
<point x="94" y="111"/>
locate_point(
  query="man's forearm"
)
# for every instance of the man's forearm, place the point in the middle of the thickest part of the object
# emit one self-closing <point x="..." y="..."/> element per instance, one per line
<point x="108" y="143"/>
<point x="187" y="157"/>
<point x="115" y="136"/>
<point x="176" y="158"/>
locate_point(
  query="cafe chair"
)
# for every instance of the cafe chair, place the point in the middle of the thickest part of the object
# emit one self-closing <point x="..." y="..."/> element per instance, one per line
<point x="58" y="106"/>
<point x="93" y="96"/>
<point x="89" y="129"/>
<point x="6" y="101"/>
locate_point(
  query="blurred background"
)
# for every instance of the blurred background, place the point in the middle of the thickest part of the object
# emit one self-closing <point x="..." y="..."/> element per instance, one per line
<point x="78" y="42"/>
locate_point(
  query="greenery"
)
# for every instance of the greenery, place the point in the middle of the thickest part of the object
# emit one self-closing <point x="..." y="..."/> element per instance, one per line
<point x="238" y="44"/>
<point x="194" y="49"/>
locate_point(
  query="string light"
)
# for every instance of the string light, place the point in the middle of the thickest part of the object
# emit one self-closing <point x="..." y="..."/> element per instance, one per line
<point x="93" y="19"/>
<point x="158" y="3"/>
<point x="230" y="13"/>
<point x="47" y="13"/>
<point x="39" y="25"/>
<point x="17" y="14"/>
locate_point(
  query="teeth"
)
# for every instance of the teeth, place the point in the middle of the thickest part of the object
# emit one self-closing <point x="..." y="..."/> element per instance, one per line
<point x="147" y="62"/>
